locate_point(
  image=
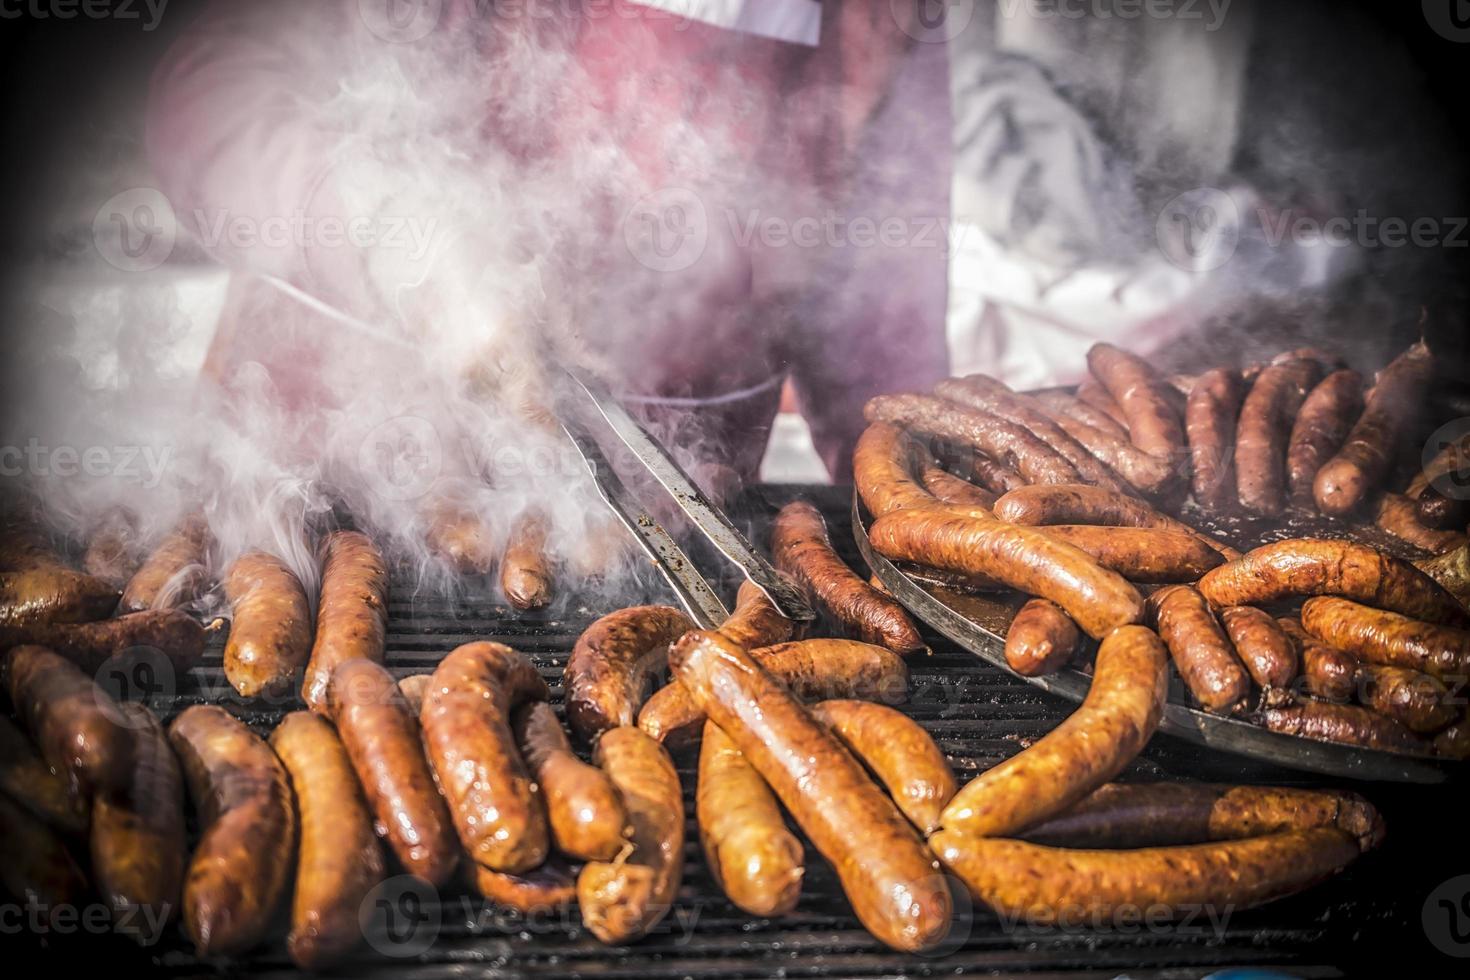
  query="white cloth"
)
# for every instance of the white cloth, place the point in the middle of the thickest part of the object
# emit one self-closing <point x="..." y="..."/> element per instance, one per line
<point x="793" y="21"/>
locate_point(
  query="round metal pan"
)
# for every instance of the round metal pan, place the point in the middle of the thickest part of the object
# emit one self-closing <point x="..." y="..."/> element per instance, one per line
<point x="979" y="623"/>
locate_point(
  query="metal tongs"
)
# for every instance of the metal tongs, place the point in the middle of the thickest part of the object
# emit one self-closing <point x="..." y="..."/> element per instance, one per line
<point x="693" y="591"/>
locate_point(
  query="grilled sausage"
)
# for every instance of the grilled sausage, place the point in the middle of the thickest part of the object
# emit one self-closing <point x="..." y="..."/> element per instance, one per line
<point x="525" y="570"/>
<point x="1387" y="422"/>
<point x="174" y="573"/>
<point x="241" y="867"/>
<point x="950" y="489"/>
<point x="1125" y="815"/>
<point x="379" y="728"/>
<point x="352" y="612"/>
<point x="899" y="752"/>
<point x="1050" y="886"/>
<point x="1321" y="427"/>
<point x="27" y="780"/>
<point x="270" y="626"/>
<point x="1397" y="515"/>
<point x="35" y="866"/>
<point x="587" y="818"/>
<point x="138" y="845"/>
<point x="811" y="669"/>
<point x="1141" y="554"/>
<point x="1267" y="652"/>
<point x="551" y="887"/>
<point x="1121" y="711"/>
<point x="1262" y="434"/>
<point x="801" y="549"/>
<point x="1143" y="396"/>
<point x="1415" y="700"/>
<point x="999" y="438"/>
<point x="1110" y="443"/>
<point x="1024" y="558"/>
<point x="1308" y="567"/>
<point x="622" y="900"/>
<point x="112" y="548"/>
<point x="1210" y="416"/>
<point x="754" y="859"/>
<point x="170" y="632"/>
<point x="338" y="861"/>
<point x="78" y="729"/>
<point x="1201" y="651"/>
<point x="497" y="808"/>
<point x="1436" y="510"/>
<point x="992" y="475"/>
<point x="614" y="663"/>
<point x="1388" y="638"/>
<point x="1041" y="639"/>
<point x="882" y="470"/>
<point x="756" y="622"/>
<point x="885" y="870"/>
<point x="459" y="537"/>
<point x="1454" y="742"/>
<point x="1091" y="393"/>
<point x="1327" y="672"/>
<point x="43" y="596"/>
<point x="1452" y="571"/>
<point x="1343" y="723"/>
<point x="1037" y="506"/>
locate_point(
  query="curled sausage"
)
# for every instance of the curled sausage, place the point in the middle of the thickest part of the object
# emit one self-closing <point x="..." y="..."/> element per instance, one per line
<point x="379" y="729"/>
<point x="241" y="868"/>
<point x="1321" y="427"/>
<point x="547" y="888"/>
<point x="756" y="622"/>
<point x="352" y="612"/>
<point x="78" y="729"/>
<point x="170" y="632"/>
<point x="27" y="780"/>
<point x="622" y="900"/>
<point x="338" y="860"/>
<point x="883" y="470"/>
<point x="1141" y="554"/>
<point x="754" y="859"/>
<point x="525" y="570"/>
<point x="270" y="627"/>
<point x="1397" y="515"/>
<point x="1388" y="638"/>
<point x="587" y="818"/>
<point x="1343" y="723"/>
<point x="1201" y="651"/>
<point x="615" y="662"/>
<point x="801" y="549"/>
<point x="1267" y="652"/>
<point x="1144" y="398"/>
<point x="1122" y="709"/>
<point x="885" y="869"/>
<point x="1038" y="506"/>
<point x="1210" y="415"/>
<point x="811" y="669"/>
<point x="1264" y="429"/>
<point x="899" y="752"/>
<point x="1041" y="639"/>
<point x="1024" y="558"/>
<point x="174" y="573"/>
<point x="497" y="808"/>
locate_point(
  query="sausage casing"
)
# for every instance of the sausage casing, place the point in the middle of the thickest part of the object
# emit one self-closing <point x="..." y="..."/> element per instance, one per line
<point x="1041" y="639"/>
<point x="1267" y="652"/>
<point x="1154" y="424"/>
<point x="1344" y="723"/>
<point x="1200" y="649"/>
<point x="545" y="889"/>
<point x="78" y="729"/>
<point x="1044" y="506"/>
<point x="756" y="622"/>
<point x="614" y="663"/>
<point x="1142" y="554"/>
<point x="270" y="628"/>
<point x="526" y="575"/>
<point x="1264" y="430"/>
<point x="170" y="632"/>
<point x="587" y="818"/>
<point x="352" y="613"/>
<point x="1388" y="638"/>
<point x="173" y="574"/>
<point x="1321" y="426"/>
<point x="883" y="470"/>
<point x="1210" y="415"/>
<point x="27" y="780"/>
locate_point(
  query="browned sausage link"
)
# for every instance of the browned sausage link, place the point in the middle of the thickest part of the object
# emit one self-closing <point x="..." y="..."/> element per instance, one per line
<point x="378" y="725"/>
<point x="1041" y="639"/>
<point x="1326" y="672"/>
<point x="137" y="843"/>
<point x="1210" y="416"/>
<point x="1003" y="440"/>
<point x="497" y="808"/>
<point x="1452" y="572"/>
<point x="587" y="818"/>
<point x="899" y="752"/>
<point x="26" y="779"/>
<point x="1121" y="711"/>
<point x="950" y="489"/>
<point x="551" y="887"/>
<point x="885" y="870"/>
<point x="621" y="901"/>
<point x="459" y="537"/>
<point x="1388" y="638"/>
<point x="992" y="476"/>
<point x="1388" y="419"/>
<point x="525" y="570"/>
<point x="1415" y="700"/>
<point x="78" y="729"/>
<point x="1080" y="504"/>
<point x="112" y="548"/>
<point x="1310" y="566"/>
<point x="756" y="622"/>
<point x="1321" y="427"/>
<point x="882" y="470"/>
<point x="812" y="669"/>
<point x="241" y="868"/>
<point x="1343" y="723"/>
<point x="1201" y="651"/>
<point x="270" y="625"/>
<point x="352" y="612"/>
<point x="36" y="865"/>
<point x="1267" y="652"/>
<point x="1397" y="515"/>
<point x="1024" y="558"/>
<point x="1454" y="742"/>
<point x="1264" y="429"/>
<point x="1056" y="885"/>
<point x="1110" y="444"/>
<point x="1092" y="394"/>
<point x="174" y="573"/>
<point x="53" y="595"/>
<point x="1121" y="815"/>
<point x="615" y="662"/>
<point x="754" y="859"/>
<point x="1141" y="554"/>
<point x="170" y="632"/>
<point x="989" y="395"/>
<point x="1147" y="401"/>
<point x="338" y="862"/>
<point x="801" y="549"/>
<point x="1442" y="513"/>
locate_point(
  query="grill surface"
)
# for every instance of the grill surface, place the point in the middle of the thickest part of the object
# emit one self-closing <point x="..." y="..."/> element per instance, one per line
<point x="979" y="715"/>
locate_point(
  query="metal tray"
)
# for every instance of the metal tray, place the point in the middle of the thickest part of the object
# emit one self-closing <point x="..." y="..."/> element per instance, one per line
<point x="979" y="623"/>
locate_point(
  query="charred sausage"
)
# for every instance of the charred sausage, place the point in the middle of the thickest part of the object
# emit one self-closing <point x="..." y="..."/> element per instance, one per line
<point x="1110" y="443"/>
<point x="1321" y="427"/>
<point x="43" y="596"/>
<point x="270" y="626"/>
<point x="548" y="888"/>
<point x="1436" y="510"/>
<point x="615" y="662"/>
<point x="1091" y="393"/>
<point x="1210" y="416"/>
<point x="352" y="612"/>
<point x="112" y="548"/>
<point x="1041" y="639"/>
<point x="1415" y="700"/>
<point x="587" y="818"/>
<point x="950" y="489"/>
<point x="78" y="729"/>
<point x="171" y="632"/>
<point x="1343" y="723"/>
